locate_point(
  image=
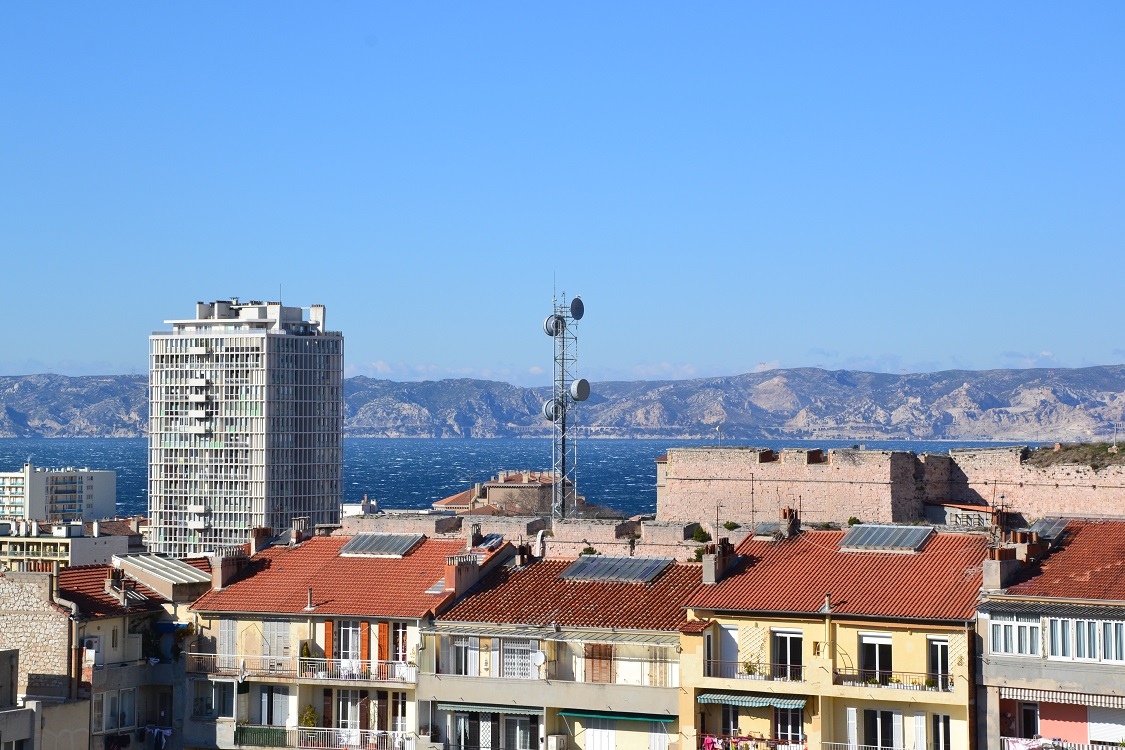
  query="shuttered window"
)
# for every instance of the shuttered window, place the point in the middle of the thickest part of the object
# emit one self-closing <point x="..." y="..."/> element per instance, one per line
<point x="516" y="658"/>
<point x="599" y="662"/>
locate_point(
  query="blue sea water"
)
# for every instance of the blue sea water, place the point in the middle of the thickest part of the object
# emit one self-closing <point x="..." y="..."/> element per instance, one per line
<point x="406" y="473"/>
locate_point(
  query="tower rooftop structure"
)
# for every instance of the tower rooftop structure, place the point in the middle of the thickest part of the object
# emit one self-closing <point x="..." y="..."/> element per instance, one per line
<point x="246" y="411"/>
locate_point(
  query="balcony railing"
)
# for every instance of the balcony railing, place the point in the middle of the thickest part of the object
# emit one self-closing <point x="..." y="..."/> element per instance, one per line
<point x="902" y="680"/>
<point x="311" y="669"/>
<point x="277" y="666"/>
<point x="355" y="669"/>
<point x="1017" y="743"/>
<point x="752" y="670"/>
<point x="735" y="742"/>
<point x="334" y="739"/>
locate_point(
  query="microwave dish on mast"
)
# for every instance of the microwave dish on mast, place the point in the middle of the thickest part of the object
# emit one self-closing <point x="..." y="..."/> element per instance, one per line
<point x="567" y="391"/>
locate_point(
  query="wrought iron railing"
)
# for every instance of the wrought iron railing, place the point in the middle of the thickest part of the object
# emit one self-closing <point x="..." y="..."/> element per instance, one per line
<point x="322" y="737"/>
<point x="279" y="666"/>
<point x="753" y="670"/>
<point x="932" y="681"/>
<point x="356" y="669"/>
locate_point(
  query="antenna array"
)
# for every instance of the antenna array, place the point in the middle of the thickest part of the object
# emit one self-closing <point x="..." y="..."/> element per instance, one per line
<point x="566" y="392"/>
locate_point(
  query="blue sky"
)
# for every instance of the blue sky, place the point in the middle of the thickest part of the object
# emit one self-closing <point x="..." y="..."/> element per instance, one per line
<point x="730" y="187"/>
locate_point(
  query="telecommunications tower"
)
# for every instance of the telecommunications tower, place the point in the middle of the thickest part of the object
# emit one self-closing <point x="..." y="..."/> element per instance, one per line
<point x="559" y="409"/>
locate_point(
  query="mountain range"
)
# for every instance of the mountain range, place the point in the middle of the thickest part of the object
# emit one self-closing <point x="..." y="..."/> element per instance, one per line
<point x="798" y="404"/>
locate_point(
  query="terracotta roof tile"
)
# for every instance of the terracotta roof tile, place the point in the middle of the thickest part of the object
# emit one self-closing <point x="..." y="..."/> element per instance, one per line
<point x="201" y="563"/>
<point x="695" y="626"/>
<point x="535" y="595"/>
<point x="85" y="586"/>
<point x="1089" y="563"/>
<point x="277" y="580"/>
<point x="941" y="582"/>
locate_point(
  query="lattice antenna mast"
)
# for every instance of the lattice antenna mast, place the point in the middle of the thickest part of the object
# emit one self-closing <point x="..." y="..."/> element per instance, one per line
<point x="566" y="392"/>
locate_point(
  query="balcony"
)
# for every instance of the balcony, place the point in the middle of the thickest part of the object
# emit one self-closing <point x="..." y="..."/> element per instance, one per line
<point x="932" y="682"/>
<point x="750" y="742"/>
<point x="198" y="398"/>
<point x="353" y="670"/>
<point x="249" y="735"/>
<point x="1017" y="743"/>
<point x="250" y="666"/>
<point x="751" y="670"/>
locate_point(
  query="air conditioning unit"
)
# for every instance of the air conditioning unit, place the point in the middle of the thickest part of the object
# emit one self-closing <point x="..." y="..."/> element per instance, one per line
<point x="556" y="742"/>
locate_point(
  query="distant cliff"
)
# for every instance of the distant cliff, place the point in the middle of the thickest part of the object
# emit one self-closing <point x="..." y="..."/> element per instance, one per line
<point x="798" y="404"/>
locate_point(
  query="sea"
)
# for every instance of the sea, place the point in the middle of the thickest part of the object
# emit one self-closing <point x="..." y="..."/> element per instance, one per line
<point x="411" y="473"/>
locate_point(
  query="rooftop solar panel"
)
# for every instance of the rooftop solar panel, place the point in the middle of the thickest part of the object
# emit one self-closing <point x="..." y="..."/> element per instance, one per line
<point x="381" y="545"/>
<point x="768" y="528"/>
<point x="616" y="569"/>
<point x="1050" y="528"/>
<point x="874" y="537"/>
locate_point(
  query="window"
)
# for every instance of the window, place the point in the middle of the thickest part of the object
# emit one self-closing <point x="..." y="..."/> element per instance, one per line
<point x="1059" y="639"/>
<point x="1014" y="635"/>
<point x="939" y="663"/>
<point x="465" y="655"/>
<point x="517" y="733"/>
<point x="601" y="734"/>
<point x="114" y="710"/>
<point x="398" y="711"/>
<point x="1029" y="720"/>
<point x="599" y="662"/>
<point x="940" y="731"/>
<point x="1113" y="641"/>
<point x="274" y="705"/>
<point x="346" y="645"/>
<point x="516" y="658"/>
<point x="787" y="655"/>
<point x="657" y="736"/>
<point x="275" y="642"/>
<point x="213" y="699"/>
<point x="228" y="648"/>
<point x="875" y="658"/>
<point x="882" y="729"/>
<point x="1085" y="639"/>
<point x="787" y="724"/>
<point x="398" y="641"/>
<point x="729" y="721"/>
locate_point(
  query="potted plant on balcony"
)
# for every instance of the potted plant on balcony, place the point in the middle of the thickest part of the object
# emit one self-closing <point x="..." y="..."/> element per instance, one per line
<point x="307" y="666"/>
<point x="750" y="671"/>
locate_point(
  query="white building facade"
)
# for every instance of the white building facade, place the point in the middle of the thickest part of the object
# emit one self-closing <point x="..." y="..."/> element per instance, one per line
<point x="245" y="417"/>
<point x="68" y="494"/>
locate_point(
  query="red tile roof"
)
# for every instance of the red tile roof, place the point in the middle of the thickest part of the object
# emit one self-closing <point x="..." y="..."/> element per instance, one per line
<point x="201" y="563"/>
<point x="85" y="586"/>
<point x="695" y="626"/>
<point x="535" y="595"/>
<point x="277" y="580"/>
<point x="1088" y="564"/>
<point x="941" y="582"/>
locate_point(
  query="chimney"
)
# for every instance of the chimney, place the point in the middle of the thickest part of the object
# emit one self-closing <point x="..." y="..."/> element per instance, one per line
<point x="317" y="316"/>
<point x="461" y="572"/>
<point x="310" y="607"/>
<point x="474" y="537"/>
<point x="54" y="580"/>
<point x="717" y="558"/>
<point x="224" y="567"/>
<point x="997" y="570"/>
<point x="300" y="529"/>
<point x="790" y="523"/>
<point x="259" y="539"/>
<point x="96" y="529"/>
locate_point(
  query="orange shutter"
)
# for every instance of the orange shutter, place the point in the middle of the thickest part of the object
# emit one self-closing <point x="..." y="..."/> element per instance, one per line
<point x="364" y="641"/>
<point x="384" y="640"/>
<point x="327" y="639"/>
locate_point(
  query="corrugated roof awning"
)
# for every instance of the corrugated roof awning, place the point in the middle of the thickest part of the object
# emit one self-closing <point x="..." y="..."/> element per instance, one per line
<point x="484" y="708"/>
<point x="1048" y="607"/>
<point x="753" y="700"/>
<point x="619" y="717"/>
<point x="550" y="634"/>
<point x="1057" y="696"/>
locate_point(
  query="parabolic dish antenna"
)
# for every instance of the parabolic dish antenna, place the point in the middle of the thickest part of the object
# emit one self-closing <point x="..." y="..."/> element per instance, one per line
<point x="538" y="658"/>
<point x="552" y="409"/>
<point x="554" y="325"/>
<point x="580" y="389"/>
<point x="577" y="309"/>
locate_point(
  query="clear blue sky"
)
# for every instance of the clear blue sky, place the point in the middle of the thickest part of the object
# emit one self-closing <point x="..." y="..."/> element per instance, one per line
<point x="729" y="186"/>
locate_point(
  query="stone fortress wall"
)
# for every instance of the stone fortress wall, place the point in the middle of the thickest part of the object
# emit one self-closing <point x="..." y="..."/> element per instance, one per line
<point x="38" y="629"/>
<point x="875" y="486"/>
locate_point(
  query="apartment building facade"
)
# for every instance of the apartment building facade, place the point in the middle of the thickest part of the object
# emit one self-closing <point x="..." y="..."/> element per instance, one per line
<point x="1052" y="640"/>
<point x="317" y="644"/>
<point x="819" y="639"/>
<point x="57" y="495"/>
<point x="246" y="411"/>
<point x="559" y="653"/>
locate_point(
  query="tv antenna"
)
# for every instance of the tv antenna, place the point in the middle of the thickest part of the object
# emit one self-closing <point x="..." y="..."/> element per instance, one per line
<point x="565" y="394"/>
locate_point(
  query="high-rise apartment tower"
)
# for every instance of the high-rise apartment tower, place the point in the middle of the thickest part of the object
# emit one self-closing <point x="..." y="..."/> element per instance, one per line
<point x="245" y="414"/>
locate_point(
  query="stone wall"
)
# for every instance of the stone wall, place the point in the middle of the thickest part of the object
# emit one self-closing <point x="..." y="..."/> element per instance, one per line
<point x="39" y="629"/>
<point x="986" y="475"/>
<point x="755" y="484"/>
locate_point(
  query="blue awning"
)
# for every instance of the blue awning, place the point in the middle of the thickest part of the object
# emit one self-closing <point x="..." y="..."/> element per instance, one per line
<point x="753" y="700"/>
<point x="620" y="717"/>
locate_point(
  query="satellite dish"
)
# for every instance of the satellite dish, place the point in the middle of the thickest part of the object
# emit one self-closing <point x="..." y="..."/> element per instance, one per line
<point x="538" y="658"/>
<point x="577" y="308"/>
<point x="580" y="389"/>
<point x="554" y="325"/>
<point x="552" y="409"/>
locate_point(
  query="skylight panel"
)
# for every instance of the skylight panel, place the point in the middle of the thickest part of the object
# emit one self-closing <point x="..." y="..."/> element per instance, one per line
<point x="615" y="569"/>
<point x="878" y="538"/>
<point x="380" y="545"/>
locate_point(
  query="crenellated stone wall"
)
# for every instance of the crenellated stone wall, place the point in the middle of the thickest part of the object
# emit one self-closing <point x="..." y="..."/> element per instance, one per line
<point x="39" y="629"/>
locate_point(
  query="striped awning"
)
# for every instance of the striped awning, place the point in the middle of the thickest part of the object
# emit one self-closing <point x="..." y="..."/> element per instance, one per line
<point x="1057" y="696"/>
<point x="619" y="717"/>
<point x="563" y="634"/>
<point x="753" y="700"/>
<point x="484" y="708"/>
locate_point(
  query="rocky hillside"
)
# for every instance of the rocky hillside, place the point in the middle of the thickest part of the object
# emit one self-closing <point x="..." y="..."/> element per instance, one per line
<point x="806" y="403"/>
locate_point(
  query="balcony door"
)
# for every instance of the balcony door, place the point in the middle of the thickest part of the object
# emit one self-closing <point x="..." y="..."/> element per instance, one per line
<point x="882" y="729"/>
<point x="347" y="716"/>
<point x="347" y="647"/>
<point x="275" y="644"/>
<point x="939" y="663"/>
<point x="875" y="658"/>
<point x="787" y="664"/>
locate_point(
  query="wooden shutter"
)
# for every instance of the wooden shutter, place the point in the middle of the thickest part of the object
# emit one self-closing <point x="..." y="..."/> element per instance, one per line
<point x="853" y="730"/>
<point x="328" y="639"/>
<point x="381" y="699"/>
<point x="384" y="643"/>
<point x="364" y="709"/>
<point x="896" y="729"/>
<point x="364" y="641"/>
<point x="327" y="717"/>
<point x="599" y="662"/>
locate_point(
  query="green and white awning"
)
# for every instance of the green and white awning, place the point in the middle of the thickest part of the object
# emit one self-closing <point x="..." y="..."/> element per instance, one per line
<point x="753" y="700"/>
<point x="618" y="717"/>
<point x="483" y="708"/>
